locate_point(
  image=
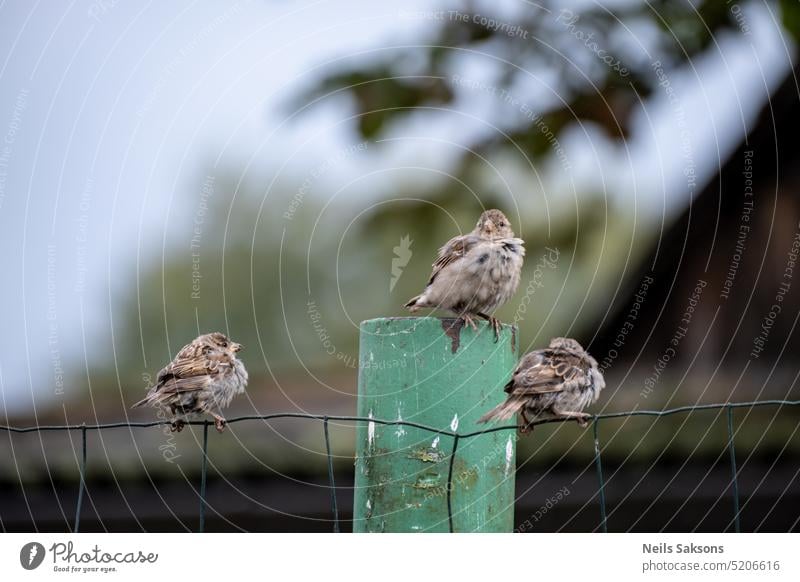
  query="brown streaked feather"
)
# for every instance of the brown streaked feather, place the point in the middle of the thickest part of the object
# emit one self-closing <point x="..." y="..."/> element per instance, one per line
<point x="534" y="390"/>
<point x="541" y="371"/>
<point x="194" y="368"/>
<point x="504" y="410"/>
<point x="176" y="385"/>
<point x="193" y="362"/>
<point x="453" y="250"/>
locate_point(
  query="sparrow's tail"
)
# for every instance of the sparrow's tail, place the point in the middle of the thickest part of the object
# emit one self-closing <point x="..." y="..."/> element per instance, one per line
<point x="412" y="303"/>
<point x="504" y="411"/>
<point x="143" y="401"/>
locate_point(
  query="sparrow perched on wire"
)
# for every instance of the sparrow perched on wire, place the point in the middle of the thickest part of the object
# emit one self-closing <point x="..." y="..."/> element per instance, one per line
<point x="556" y="382"/>
<point x="203" y="378"/>
<point x="475" y="273"/>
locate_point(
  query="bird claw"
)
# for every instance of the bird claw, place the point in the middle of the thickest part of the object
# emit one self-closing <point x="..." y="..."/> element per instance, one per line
<point x="219" y="423"/>
<point x="496" y="324"/>
<point x="470" y="321"/>
<point x="177" y="426"/>
<point x="583" y="420"/>
<point x="526" y="427"/>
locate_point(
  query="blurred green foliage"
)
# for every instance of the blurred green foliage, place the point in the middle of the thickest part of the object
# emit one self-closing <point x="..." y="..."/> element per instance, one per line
<point x="555" y="47"/>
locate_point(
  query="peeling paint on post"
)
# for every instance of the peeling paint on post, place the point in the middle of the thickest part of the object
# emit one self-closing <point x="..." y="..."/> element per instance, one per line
<point x="429" y="371"/>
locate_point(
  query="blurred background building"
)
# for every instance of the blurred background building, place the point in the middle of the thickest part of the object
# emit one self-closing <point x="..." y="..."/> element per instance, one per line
<point x="281" y="172"/>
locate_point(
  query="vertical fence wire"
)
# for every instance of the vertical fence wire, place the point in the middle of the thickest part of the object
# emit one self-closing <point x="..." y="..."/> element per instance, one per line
<point x="734" y="476"/>
<point x="450" y="483"/>
<point x="82" y="483"/>
<point x="203" y="472"/>
<point x="331" y="482"/>
<point x="601" y="483"/>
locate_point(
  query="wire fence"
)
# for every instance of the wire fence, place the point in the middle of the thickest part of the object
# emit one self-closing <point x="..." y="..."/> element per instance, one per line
<point x="729" y="408"/>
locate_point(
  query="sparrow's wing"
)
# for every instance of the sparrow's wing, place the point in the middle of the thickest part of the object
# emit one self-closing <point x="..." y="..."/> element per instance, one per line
<point x="547" y="371"/>
<point x="515" y="245"/>
<point x="192" y="369"/>
<point x="455" y="249"/>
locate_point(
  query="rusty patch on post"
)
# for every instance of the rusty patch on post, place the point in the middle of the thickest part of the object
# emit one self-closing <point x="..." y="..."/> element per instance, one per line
<point x="427" y="455"/>
<point x="427" y="481"/>
<point x="513" y="339"/>
<point x="452" y="329"/>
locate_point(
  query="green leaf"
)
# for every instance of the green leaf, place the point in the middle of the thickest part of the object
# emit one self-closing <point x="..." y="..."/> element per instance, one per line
<point x="790" y="14"/>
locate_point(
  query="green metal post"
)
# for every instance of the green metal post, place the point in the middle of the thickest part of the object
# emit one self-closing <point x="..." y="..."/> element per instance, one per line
<point x="438" y="373"/>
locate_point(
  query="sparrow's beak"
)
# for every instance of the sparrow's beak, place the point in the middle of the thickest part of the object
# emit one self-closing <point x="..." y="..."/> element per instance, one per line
<point x="236" y="347"/>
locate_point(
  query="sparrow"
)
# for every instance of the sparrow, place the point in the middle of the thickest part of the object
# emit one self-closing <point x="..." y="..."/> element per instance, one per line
<point x="556" y="382"/>
<point x="203" y="378"/>
<point x="475" y="273"/>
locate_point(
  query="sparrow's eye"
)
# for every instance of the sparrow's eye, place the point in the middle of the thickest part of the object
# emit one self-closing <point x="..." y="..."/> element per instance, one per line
<point x="224" y="344"/>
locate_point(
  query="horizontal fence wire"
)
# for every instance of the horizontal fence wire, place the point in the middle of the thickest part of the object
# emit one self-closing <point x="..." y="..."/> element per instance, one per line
<point x="326" y="419"/>
<point x="432" y="429"/>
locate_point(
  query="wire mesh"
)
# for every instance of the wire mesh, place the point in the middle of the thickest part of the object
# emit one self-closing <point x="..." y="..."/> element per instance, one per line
<point x="203" y="475"/>
<point x="729" y="408"/>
